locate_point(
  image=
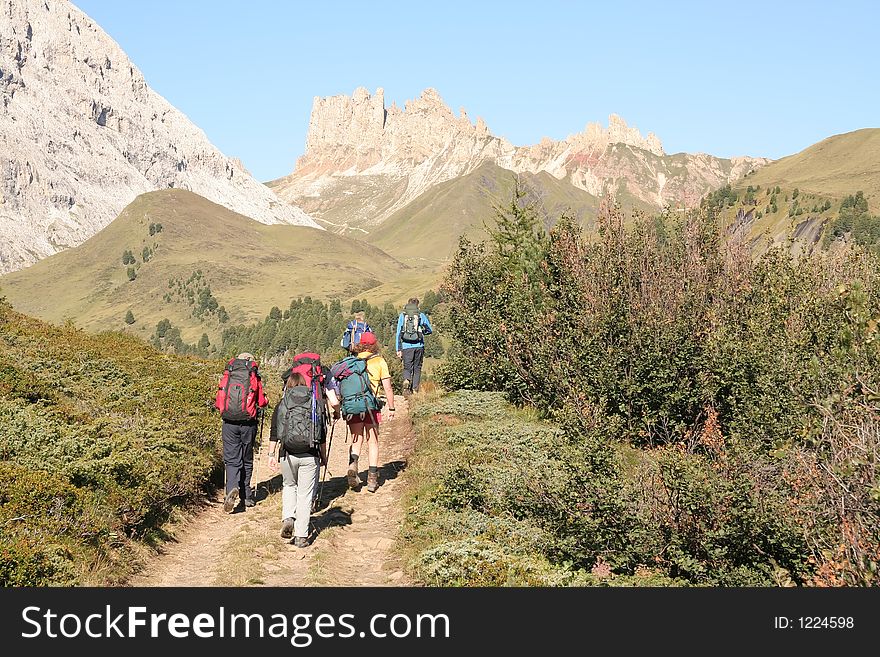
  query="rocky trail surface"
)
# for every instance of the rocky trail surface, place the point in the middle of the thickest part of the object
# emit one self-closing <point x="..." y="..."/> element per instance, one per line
<point x="353" y="533"/>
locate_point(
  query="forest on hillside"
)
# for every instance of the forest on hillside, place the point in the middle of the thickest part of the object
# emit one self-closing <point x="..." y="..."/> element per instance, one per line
<point x="307" y="324"/>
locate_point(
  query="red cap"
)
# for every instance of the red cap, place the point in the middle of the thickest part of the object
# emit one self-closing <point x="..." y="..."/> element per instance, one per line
<point x="367" y="338"/>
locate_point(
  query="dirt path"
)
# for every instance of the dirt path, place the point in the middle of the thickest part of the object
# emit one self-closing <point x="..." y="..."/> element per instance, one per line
<point x="354" y="532"/>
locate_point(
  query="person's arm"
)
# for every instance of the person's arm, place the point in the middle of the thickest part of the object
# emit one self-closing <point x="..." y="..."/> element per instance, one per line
<point x="323" y="457"/>
<point x="427" y="323"/>
<point x="333" y="400"/>
<point x="389" y="395"/>
<point x="273" y="440"/>
<point x="397" y="336"/>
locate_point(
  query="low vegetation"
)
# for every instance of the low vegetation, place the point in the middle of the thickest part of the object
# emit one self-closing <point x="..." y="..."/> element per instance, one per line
<point x="101" y="437"/>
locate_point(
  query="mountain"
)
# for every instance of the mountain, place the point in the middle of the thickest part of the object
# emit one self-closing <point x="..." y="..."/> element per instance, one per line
<point x="813" y="186"/>
<point x="81" y="135"/>
<point x="424" y="233"/>
<point x="363" y="162"/>
<point x="173" y="254"/>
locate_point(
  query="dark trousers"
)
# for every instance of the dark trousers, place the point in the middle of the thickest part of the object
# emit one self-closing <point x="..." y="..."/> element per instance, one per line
<point x="412" y="365"/>
<point x="238" y="456"/>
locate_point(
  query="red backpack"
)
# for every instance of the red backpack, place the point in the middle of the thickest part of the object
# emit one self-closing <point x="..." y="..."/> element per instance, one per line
<point x="239" y="392"/>
<point x="309" y="365"/>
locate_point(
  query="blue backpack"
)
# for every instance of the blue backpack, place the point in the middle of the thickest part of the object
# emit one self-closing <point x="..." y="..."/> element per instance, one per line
<point x="353" y="332"/>
<point x="355" y="390"/>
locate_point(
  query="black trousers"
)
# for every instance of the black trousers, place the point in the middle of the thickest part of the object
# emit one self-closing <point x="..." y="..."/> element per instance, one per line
<point x="238" y="456"/>
<point x="412" y="365"/>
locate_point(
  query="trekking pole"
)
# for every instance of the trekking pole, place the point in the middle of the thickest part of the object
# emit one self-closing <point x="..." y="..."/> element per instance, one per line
<point x="259" y="450"/>
<point x="317" y="502"/>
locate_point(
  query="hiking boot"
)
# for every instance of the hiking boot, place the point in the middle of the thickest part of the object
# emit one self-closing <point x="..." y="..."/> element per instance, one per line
<point x="250" y="502"/>
<point x="354" y="481"/>
<point x="301" y="542"/>
<point x="372" y="481"/>
<point x="230" y="501"/>
<point x="287" y="528"/>
<point x="407" y="388"/>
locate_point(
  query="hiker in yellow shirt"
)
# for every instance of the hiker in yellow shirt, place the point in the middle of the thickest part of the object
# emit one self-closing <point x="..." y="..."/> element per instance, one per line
<point x="367" y="428"/>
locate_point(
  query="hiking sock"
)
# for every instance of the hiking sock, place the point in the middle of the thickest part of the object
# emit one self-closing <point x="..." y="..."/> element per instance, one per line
<point x="353" y="458"/>
<point x="374" y="469"/>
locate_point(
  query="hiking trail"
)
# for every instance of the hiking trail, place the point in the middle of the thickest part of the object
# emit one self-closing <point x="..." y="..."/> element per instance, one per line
<point x="353" y="533"/>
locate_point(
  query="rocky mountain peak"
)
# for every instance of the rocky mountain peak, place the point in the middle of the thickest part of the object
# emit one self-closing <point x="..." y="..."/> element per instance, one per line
<point x="389" y="156"/>
<point x="82" y="134"/>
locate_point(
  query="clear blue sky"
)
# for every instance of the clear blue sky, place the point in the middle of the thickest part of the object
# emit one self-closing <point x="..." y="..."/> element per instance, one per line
<point x="726" y="78"/>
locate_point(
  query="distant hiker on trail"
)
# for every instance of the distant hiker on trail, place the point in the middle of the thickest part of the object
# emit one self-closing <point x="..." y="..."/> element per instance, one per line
<point x="298" y="440"/>
<point x="360" y="379"/>
<point x="412" y="327"/>
<point x="354" y="330"/>
<point x="239" y="396"/>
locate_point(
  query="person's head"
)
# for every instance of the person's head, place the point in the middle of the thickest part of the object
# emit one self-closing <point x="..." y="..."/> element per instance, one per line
<point x="294" y="379"/>
<point x="368" y="342"/>
<point x="245" y="356"/>
<point x="360" y="316"/>
<point x="414" y="301"/>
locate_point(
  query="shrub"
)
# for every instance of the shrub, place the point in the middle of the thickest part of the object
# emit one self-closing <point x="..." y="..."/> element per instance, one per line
<point x="671" y="333"/>
<point x="100" y="438"/>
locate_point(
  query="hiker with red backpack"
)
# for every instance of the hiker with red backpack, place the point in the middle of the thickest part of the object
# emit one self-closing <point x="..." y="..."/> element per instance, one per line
<point x="298" y="440"/>
<point x="239" y="397"/>
<point x="360" y="379"/>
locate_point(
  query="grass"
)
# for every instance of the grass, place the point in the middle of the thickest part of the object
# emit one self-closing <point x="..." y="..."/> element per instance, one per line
<point x="834" y="167"/>
<point x="827" y="171"/>
<point x="424" y="234"/>
<point x="249" y="267"/>
<point x="475" y="455"/>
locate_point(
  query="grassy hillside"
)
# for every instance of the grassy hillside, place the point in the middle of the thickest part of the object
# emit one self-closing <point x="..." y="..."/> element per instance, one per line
<point x="425" y="232"/>
<point x="798" y="199"/>
<point x="835" y="167"/>
<point x="194" y="262"/>
<point x="100" y="438"/>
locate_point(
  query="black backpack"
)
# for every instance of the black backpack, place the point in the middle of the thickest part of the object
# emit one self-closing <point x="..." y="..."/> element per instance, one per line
<point x="412" y="329"/>
<point x="301" y="418"/>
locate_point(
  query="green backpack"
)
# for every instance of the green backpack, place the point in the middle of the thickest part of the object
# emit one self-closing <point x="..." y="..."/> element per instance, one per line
<point x="355" y="390"/>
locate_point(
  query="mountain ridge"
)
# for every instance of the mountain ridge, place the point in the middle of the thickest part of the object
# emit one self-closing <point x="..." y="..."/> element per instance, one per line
<point x="357" y="149"/>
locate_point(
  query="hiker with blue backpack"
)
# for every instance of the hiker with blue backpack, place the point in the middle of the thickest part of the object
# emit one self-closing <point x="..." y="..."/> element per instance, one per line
<point x="412" y="327"/>
<point x="298" y="440"/>
<point x="361" y="377"/>
<point x="353" y="331"/>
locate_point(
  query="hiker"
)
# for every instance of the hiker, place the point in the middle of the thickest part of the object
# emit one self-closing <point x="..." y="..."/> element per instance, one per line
<point x="298" y="440"/>
<point x="239" y="396"/>
<point x="353" y="332"/>
<point x="412" y="327"/>
<point x="360" y="378"/>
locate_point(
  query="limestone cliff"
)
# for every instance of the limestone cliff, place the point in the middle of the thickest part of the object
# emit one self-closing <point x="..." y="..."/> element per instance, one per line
<point x="82" y="134"/>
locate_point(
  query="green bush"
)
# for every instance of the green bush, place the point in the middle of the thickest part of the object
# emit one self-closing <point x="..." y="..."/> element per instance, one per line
<point x="659" y="332"/>
<point x="100" y="438"/>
